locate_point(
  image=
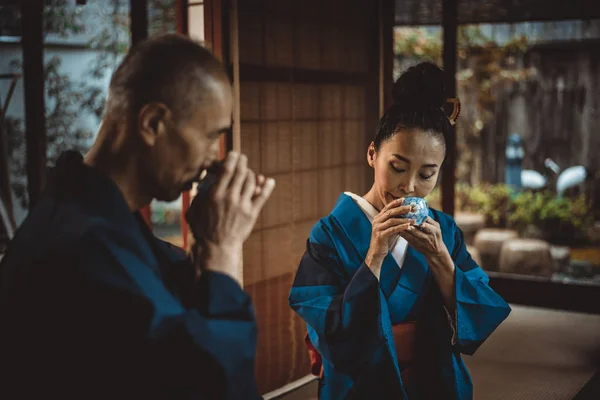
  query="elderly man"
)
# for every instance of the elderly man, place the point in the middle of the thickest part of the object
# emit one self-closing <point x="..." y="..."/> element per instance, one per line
<point x="92" y="305"/>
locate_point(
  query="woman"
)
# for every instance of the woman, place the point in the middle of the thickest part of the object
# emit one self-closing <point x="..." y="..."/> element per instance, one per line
<point x="390" y="306"/>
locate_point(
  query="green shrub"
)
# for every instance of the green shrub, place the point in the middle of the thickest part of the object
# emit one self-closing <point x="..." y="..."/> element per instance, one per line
<point x="561" y="220"/>
<point x="493" y="201"/>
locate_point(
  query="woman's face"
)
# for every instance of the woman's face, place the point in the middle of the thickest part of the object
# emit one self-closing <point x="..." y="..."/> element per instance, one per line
<point x="407" y="164"/>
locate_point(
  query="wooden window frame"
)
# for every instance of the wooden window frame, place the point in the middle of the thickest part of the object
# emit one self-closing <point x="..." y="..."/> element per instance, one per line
<point x="515" y="289"/>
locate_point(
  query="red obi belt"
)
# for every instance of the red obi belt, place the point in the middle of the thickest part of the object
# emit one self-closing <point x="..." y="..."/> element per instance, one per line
<point x="404" y="339"/>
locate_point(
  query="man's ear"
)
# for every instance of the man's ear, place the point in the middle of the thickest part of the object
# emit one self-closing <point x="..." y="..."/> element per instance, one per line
<point x="371" y="154"/>
<point x="152" y="122"/>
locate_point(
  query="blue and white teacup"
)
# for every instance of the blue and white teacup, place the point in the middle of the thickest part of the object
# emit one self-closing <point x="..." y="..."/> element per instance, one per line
<point x="420" y="214"/>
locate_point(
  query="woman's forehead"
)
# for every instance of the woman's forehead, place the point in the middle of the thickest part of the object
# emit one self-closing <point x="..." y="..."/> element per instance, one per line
<point x="415" y="143"/>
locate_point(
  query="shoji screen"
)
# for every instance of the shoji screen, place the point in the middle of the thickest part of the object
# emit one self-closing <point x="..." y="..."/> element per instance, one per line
<point x="308" y="108"/>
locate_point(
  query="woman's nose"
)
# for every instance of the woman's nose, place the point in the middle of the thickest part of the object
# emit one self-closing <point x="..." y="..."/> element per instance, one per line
<point x="407" y="186"/>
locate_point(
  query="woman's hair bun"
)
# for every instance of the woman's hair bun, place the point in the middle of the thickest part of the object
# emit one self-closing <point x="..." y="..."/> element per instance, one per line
<point x="420" y="88"/>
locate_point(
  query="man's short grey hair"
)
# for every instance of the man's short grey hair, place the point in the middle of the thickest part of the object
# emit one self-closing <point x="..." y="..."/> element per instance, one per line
<point x="170" y="69"/>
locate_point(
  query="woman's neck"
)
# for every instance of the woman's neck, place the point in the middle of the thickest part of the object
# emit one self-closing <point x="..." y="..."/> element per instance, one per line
<point x="372" y="197"/>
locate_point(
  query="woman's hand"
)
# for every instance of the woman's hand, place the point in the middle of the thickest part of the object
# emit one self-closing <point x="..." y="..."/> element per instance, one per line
<point x="426" y="239"/>
<point x="386" y="225"/>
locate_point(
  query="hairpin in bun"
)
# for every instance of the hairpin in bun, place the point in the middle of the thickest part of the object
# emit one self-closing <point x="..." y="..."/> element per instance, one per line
<point x="456" y="111"/>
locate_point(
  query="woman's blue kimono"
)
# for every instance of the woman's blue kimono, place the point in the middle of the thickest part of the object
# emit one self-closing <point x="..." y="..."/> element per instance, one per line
<point x="349" y="313"/>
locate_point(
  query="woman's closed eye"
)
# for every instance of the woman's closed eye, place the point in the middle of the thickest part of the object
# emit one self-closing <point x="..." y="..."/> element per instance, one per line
<point x="396" y="168"/>
<point x="425" y="177"/>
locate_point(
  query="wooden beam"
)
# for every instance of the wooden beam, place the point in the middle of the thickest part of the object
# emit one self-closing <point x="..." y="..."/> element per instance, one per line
<point x="450" y="28"/>
<point x="496" y="11"/>
<point x="259" y="73"/>
<point x="33" y="82"/>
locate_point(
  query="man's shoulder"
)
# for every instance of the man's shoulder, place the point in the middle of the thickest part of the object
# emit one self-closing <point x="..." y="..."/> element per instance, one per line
<point x="56" y="228"/>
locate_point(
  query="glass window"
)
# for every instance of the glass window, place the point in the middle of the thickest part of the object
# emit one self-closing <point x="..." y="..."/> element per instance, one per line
<point x="13" y="179"/>
<point x="527" y="195"/>
<point x="196" y="20"/>
<point x="162" y="17"/>
<point x="82" y="46"/>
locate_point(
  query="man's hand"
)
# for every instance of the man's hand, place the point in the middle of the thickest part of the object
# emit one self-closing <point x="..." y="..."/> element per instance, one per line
<point x="223" y="218"/>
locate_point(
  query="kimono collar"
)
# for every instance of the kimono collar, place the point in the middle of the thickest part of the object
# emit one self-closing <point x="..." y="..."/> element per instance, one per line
<point x="357" y="227"/>
<point x="71" y="178"/>
<point x="371" y="212"/>
<point x="89" y="188"/>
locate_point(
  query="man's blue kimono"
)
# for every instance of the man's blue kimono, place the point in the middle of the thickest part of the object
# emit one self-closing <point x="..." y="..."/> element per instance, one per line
<point x="92" y="305"/>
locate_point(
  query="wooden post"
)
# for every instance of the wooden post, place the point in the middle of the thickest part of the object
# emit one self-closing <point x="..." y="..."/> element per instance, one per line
<point x="220" y="33"/>
<point x="138" y="15"/>
<point x="236" y="140"/>
<point x="230" y="55"/>
<point x="386" y="57"/>
<point x="213" y="37"/>
<point x="181" y="7"/>
<point x="182" y="28"/>
<point x="373" y="83"/>
<point x="450" y="28"/>
<point x="33" y="82"/>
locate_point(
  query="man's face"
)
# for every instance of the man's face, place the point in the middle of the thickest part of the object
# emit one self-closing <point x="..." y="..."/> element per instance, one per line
<point x="186" y="148"/>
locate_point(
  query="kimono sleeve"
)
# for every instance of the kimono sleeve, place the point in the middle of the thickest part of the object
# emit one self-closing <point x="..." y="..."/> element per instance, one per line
<point x="206" y="350"/>
<point x="343" y="314"/>
<point x="479" y="310"/>
<point x="206" y="295"/>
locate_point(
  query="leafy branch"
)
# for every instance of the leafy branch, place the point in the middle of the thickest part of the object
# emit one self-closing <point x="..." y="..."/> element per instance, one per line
<point x="484" y="69"/>
<point x="66" y="98"/>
